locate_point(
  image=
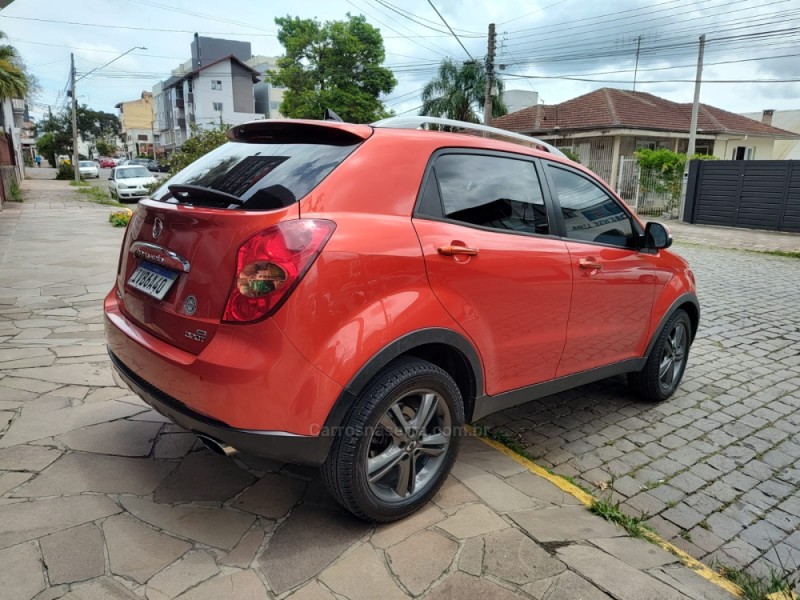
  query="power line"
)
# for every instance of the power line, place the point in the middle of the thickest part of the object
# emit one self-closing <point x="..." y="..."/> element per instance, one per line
<point x="151" y="29"/>
<point x="429" y="48"/>
<point x="540" y="9"/>
<point x="451" y="30"/>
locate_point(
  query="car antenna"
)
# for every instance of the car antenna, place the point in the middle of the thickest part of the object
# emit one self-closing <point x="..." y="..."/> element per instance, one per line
<point x="331" y="116"/>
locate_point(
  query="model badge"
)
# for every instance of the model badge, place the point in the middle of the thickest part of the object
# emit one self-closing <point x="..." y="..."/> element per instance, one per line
<point x="158" y="227"/>
<point x="190" y="305"/>
<point x="197" y="336"/>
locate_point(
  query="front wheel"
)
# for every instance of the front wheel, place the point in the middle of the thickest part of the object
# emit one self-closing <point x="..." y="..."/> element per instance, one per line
<point x="398" y="443"/>
<point x="666" y="364"/>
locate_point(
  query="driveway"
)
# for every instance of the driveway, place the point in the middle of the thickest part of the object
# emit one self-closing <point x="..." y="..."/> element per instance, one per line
<point x="717" y="467"/>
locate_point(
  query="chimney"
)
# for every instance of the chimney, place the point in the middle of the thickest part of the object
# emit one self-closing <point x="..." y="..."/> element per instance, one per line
<point x="766" y="116"/>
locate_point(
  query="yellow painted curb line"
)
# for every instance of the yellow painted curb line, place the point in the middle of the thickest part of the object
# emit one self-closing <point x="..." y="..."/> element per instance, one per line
<point x="587" y="499"/>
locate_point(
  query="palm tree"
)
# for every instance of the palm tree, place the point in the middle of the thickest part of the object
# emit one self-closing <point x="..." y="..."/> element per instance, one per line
<point x="13" y="81"/>
<point x="457" y="92"/>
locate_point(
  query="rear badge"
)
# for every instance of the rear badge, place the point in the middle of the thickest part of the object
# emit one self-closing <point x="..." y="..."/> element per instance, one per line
<point x="197" y="336"/>
<point x="158" y="227"/>
<point x="190" y="305"/>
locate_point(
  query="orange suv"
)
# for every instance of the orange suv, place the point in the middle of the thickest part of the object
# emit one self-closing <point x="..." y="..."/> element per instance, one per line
<point x="348" y="296"/>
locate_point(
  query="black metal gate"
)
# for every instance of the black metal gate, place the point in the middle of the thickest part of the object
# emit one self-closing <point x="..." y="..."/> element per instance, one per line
<point x="754" y="194"/>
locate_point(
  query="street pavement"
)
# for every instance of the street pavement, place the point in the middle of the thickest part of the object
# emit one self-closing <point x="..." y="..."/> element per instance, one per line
<point x="100" y="497"/>
<point x="717" y="467"/>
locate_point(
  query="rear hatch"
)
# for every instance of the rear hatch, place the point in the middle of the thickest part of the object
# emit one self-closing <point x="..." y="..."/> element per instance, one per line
<point x="179" y="258"/>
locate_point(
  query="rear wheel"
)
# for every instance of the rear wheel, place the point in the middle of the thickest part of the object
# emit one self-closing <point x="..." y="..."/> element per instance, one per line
<point x="398" y="443"/>
<point x="667" y="361"/>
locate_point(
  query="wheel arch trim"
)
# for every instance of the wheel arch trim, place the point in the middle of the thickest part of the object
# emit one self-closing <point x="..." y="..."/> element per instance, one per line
<point x="682" y="300"/>
<point x="403" y="345"/>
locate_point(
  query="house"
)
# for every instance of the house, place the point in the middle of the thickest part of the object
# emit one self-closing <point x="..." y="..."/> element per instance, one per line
<point x="137" y="120"/>
<point x="12" y="163"/>
<point x="518" y="99"/>
<point x="784" y="119"/>
<point x="215" y="86"/>
<point x="606" y="127"/>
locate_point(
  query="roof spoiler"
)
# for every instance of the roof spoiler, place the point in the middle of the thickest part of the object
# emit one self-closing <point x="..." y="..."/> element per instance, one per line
<point x="279" y="130"/>
<point x="417" y="122"/>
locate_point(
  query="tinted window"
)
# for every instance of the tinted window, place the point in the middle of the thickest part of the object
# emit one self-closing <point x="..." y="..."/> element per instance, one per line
<point x="590" y="214"/>
<point x="265" y="176"/>
<point x="490" y="191"/>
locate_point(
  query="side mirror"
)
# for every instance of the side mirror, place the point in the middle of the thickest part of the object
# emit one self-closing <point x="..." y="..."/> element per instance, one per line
<point x="657" y="236"/>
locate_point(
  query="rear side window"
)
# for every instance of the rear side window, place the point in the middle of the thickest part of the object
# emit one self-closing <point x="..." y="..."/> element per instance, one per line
<point x="263" y="176"/>
<point x="491" y="191"/>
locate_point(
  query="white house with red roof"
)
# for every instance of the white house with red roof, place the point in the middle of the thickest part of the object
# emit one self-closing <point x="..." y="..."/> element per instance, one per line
<point x="606" y="127"/>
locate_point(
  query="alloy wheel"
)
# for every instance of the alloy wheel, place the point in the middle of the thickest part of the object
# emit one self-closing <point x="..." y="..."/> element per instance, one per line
<point x="408" y="446"/>
<point x="673" y="357"/>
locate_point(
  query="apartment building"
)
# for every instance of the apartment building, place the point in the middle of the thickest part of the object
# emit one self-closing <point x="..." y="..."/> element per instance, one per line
<point x="136" y="117"/>
<point x="217" y="85"/>
<point x="268" y="97"/>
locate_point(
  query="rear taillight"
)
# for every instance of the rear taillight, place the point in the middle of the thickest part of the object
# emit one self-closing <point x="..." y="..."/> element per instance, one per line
<point x="271" y="264"/>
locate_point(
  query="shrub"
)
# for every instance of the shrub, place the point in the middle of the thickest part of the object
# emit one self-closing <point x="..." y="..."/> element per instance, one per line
<point x="16" y="194"/>
<point x="662" y="171"/>
<point x="65" y="172"/>
<point x="120" y="218"/>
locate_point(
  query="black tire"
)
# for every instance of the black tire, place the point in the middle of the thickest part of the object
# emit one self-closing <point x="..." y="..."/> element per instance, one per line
<point x="671" y="351"/>
<point x="345" y="471"/>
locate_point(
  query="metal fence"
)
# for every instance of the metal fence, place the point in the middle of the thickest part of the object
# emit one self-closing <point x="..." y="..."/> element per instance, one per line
<point x="637" y="190"/>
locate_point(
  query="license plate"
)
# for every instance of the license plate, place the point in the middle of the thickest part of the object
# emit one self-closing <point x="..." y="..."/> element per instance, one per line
<point x="153" y="280"/>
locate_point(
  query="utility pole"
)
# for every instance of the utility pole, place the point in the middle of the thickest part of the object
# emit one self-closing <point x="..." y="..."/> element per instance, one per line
<point x="693" y="128"/>
<point x="487" y="96"/>
<point x="636" y="68"/>
<point x="75" y="166"/>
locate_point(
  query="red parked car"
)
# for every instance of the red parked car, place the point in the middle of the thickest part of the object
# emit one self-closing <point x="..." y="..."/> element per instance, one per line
<point x="106" y="163"/>
<point x="349" y="296"/>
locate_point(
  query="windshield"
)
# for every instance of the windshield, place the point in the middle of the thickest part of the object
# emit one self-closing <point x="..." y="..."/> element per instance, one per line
<point x="86" y="163"/>
<point x="134" y="172"/>
<point x="264" y="176"/>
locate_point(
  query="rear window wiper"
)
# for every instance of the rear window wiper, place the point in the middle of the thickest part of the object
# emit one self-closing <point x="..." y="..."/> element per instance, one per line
<point x="198" y="192"/>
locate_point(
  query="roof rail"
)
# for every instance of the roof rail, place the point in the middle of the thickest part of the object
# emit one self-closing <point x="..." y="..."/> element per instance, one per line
<point x="416" y="122"/>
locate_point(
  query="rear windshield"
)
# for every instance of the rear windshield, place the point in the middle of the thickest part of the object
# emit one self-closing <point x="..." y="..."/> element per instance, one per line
<point x="264" y="176"/>
<point x="86" y="163"/>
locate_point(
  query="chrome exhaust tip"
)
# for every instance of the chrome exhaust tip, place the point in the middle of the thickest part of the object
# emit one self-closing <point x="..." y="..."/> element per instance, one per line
<point x="216" y="446"/>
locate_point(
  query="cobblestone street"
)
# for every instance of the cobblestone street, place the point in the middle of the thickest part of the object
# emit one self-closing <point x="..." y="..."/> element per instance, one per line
<point x="716" y="467"/>
<point x="101" y="498"/>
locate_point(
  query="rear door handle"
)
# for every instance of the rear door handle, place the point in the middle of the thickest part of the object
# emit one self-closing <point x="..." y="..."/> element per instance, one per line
<point x="453" y="250"/>
<point x="589" y="264"/>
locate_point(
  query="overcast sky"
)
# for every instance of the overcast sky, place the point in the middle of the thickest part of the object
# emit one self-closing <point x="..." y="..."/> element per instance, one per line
<point x="550" y="46"/>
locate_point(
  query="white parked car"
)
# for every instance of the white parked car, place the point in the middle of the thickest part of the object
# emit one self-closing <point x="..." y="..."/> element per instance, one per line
<point x="88" y="169"/>
<point x="129" y="182"/>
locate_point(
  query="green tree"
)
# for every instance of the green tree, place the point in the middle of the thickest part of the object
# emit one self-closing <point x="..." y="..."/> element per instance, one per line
<point x="661" y="171"/>
<point x="457" y="92"/>
<point x="93" y="125"/>
<point x="201" y="143"/>
<point x="334" y="65"/>
<point x="105" y="147"/>
<point x="13" y="79"/>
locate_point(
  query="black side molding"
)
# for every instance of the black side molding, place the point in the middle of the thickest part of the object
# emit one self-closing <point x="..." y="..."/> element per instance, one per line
<point x="487" y="405"/>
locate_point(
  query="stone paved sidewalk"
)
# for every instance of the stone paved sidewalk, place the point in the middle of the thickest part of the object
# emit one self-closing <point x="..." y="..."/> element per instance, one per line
<point x="101" y="498"/>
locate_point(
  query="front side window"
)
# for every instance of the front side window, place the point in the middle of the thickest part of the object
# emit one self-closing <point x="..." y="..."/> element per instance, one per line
<point x="491" y="191"/>
<point x="590" y="214"/>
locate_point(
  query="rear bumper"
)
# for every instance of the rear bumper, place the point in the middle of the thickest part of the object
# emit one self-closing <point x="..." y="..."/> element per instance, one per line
<point x="277" y="445"/>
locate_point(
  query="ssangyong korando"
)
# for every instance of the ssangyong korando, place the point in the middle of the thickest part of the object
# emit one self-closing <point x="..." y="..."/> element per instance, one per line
<point x="348" y="296"/>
